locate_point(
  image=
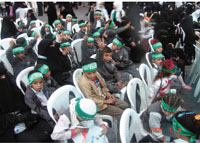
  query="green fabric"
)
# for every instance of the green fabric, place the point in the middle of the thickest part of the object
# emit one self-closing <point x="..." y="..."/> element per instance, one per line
<point x="47" y="25"/>
<point x="56" y="22"/>
<point x="99" y="30"/>
<point x="97" y="12"/>
<point x="53" y="37"/>
<point x="111" y="24"/>
<point x="25" y="43"/>
<point x="90" y="39"/>
<point x="32" y="22"/>
<point x="74" y="19"/>
<point x="157" y="45"/>
<point x="117" y="42"/>
<point x="114" y="15"/>
<point x="89" y="67"/>
<point x="66" y="44"/>
<point x="96" y="34"/>
<point x="69" y="15"/>
<point x="82" y="24"/>
<point x="34" y="76"/>
<point x="183" y="131"/>
<point x="43" y="69"/>
<point x="172" y="70"/>
<point x="157" y="56"/>
<point x="82" y="114"/>
<point x="152" y="23"/>
<point x="66" y="32"/>
<point x="17" y="50"/>
<point x="115" y="28"/>
<point x="33" y="34"/>
<point x="167" y="108"/>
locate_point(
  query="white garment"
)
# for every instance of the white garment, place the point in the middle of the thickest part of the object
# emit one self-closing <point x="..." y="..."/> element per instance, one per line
<point x="180" y="141"/>
<point x="41" y="97"/>
<point x="69" y="26"/>
<point x="98" y="23"/>
<point x="103" y="11"/>
<point x="119" y="11"/>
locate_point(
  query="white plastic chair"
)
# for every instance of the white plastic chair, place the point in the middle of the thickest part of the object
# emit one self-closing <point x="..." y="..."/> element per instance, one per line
<point x="149" y="63"/>
<point x="22" y="35"/>
<point x="39" y="23"/>
<point x="76" y="46"/>
<point x="150" y="45"/>
<point x="131" y="124"/>
<point x="5" y="43"/>
<point x="4" y="59"/>
<point x="1" y="19"/>
<point x="23" y="19"/>
<point x="59" y="100"/>
<point x="131" y="93"/>
<point x="76" y="77"/>
<point x="23" y="77"/>
<point x="75" y="28"/>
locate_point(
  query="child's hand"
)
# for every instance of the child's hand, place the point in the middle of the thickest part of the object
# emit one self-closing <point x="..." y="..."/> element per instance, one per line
<point x="105" y="129"/>
<point x="127" y="25"/>
<point x="133" y="44"/>
<point x="12" y="44"/>
<point x="114" y="62"/>
<point x="108" y="101"/>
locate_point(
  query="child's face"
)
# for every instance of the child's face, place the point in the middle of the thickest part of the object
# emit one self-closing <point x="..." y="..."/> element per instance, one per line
<point x="166" y="113"/>
<point x="90" y="44"/>
<point x="157" y="61"/>
<point x="33" y="25"/>
<point x="20" y="30"/>
<point x="20" y="55"/>
<point x="66" y="50"/>
<point x="107" y="57"/>
<point x="66" y="36"/>
<point x="115" y="47"/>
<point x="91" y="75"/>
<point x="160" y="49"/>
<point x="58" y="26"/>
<point x="47" y="29"/>
<point x="98" y="16"/>
<point x="69" y="19"/>
<point x="83" y="28"/>
<point x="46" y="75"/>
<point x="37" y="84"/>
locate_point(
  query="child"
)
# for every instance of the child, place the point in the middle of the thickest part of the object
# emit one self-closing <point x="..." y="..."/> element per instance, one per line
<point x="93" y="87"/>
<point x="18" y="60"/>
<point x="88" y="48"/>
<point x="74" y="122"/>
<point x="157" y="46"/>
<point x="117" y="13"/>
<point x="66" y="36"/>
<point x="32" y="25"/>
<point x="37" y="95"/>
<point x="74" y="20"/>
<point x="114" y="79"/>
<point x="186" y="127"/>
<point x="68" y="23"/>
<point x="45" y="30"/>
<point x="48" y="80"/>
<point x="57" y="25"/>
<point x="100" y="6"/>
<point x="83" y="29"/>
<point x="153" y="117"/>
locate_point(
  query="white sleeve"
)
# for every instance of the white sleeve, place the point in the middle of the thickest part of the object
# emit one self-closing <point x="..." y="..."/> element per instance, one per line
<point x="105" y="14"/>
<point x="61" y="130"/>
<point x="154" y="124"/>
<point x="153" y="89"/>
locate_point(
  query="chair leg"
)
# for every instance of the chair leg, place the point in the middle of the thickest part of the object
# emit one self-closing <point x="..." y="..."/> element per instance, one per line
<point x="197" y="89"/>
<point x="192" y="69"/>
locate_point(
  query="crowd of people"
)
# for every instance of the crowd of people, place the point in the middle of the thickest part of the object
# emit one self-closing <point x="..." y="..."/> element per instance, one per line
<point x="114" y="41"/>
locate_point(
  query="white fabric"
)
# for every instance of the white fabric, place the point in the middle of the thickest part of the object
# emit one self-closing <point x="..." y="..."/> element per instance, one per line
<point x="119" y="11"/>
<point x="180" y="141"/>
<point x="149" y="31"/>
<point x="41" y="97"/>
<point x="98" y="24"/>
<point x="103" y="11"/>
<point x="88" y="106"/>
<point x="69" y="26"/>
<point x="154" y="124"/>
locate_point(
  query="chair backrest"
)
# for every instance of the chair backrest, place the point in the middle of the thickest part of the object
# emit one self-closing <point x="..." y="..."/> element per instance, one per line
<point x="19" y="19"/>
<point x="76" y="46"/>
<point x="5" y="43"/>
<point x="132" y="91"/>
<point x="110" y="45"/>
<point x="93" y="56"/>
<point x="22" y="35"/>
<point x="150" y="45"/>
<point x="75" y="28"/>
<point x="39" y="23"/>
<point x="76" y="77"/>
<point x="149" y="63"/>
<point x="130" y="124"/>
<point x="145" y="72"/>
<point x="4" y="59"/>
<point x="59" y="100"/>
<point x="1" y="19"/>
<point x="23" y="77"/>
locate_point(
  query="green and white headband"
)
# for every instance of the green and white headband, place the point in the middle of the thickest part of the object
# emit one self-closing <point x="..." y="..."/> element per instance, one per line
<point x="32" y="22"/>
<point x="111" y="24"/>
<point x="167" y="108"/>
<point x="66" y="44"/>
<point x="117" y="42"/>
<point x="89" y="67"/>
<point x="157" y="56"/>
<point x="97" y="12"/>
<point x="66" y="32"/>
<point x="69" y="15"/>
<point x="96" y="34"/>
<point x="157" y="45"/>
<point x="82" y="24"/>
<point x="34" y="76"/>
<point x="17" y="50"/>
<point x="90" y="39"/>
<point x="74" y="19"/>
<point x="56" y="22"/>
<point x="43" y="69"/>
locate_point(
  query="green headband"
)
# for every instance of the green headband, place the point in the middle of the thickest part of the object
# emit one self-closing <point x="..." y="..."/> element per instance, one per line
<point x="66" y="32"/>
<point x="117" y="42"/>
<point x="157" y="45"/>
<point x="90" y="39"/>
<point x="66" y="44"/>
<point x="183" y="131"/>
<point x="32" y="22"/>
<point x="82" y="114"/>
<point x="34" y="76"/>
<point x="111" y="24"/>
<point x="89" y="67"/>
<point x="33" y="34"/>
<point x="17" y="50"/>
<point x="153" y="23"/>
<point x="69" y="15"/>
<point x="167" y="108"/>
<point x="74" y="19"/>
<point x="47" y="25"/>
<point x="56" y="22"/>
<point x="97" y="12"/>
<point x="82" y="24"/>
<point x="172" y="70"/>
<point x="25" y="43"/>
<point x="99" y="30"/>
<point x="43" y="69"/>
<point x="96" y="34"/>
<point x="157" y="56"/>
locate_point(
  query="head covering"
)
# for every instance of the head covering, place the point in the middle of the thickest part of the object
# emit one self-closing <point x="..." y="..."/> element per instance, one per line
<point x="111" y="24"/>
<point x="68" y="15"/>
<point x="96" y="34"/>
<point x="90" y="39"/>
<point x="157" y="56"/>
<point x="66" y="44"/>
<point x="17" y="50"/>
<point x="168" y="66"/>
<point x="43" y="69"/>
<point x="85" y="108"/>
<point x="66" y="32"/>
<point x="89" y="67"/>
<point x="167" y="108"/>
<point x="56" y="22"/>
<point x="74" y="19"/>
<point x="97" y="12"/>
<point x="32" y="22"/>
<point x="117" y="42"/>
<point x="157" y="45"/>
<point x="34" y="76"/>
<point x="82" y="23"/>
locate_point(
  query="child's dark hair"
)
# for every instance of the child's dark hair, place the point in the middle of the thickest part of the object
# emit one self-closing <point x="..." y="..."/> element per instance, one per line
<point x="20" y="41"/>
<point x="190" y="121"/>
<point x="107" y="50"/>
<point x="172" y="100"/>
<point x="88" y="61"/>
